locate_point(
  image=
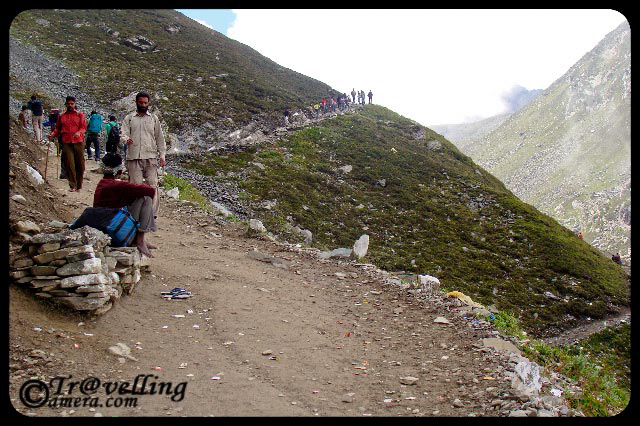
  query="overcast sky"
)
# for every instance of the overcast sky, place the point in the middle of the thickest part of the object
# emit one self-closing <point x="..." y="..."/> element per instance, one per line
<point x="433" y="66"/>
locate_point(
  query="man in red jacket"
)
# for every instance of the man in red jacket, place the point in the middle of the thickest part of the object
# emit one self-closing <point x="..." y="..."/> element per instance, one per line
<point x="114" y="193"/>
<point x="72" y="126"/>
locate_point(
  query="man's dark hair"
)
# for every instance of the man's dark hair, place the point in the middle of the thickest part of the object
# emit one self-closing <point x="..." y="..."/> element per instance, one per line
<point x="112" y="117"/>
<point x="33" y="97"/>
<point x="112" y="159"/>
<point x="93" y="112"/>
<point x="142" y="95"/>
<point x="24" y="107"/>
<point x="70" y="98"/>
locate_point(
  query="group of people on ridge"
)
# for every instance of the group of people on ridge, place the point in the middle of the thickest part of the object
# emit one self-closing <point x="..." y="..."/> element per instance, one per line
<point x="361" y="96"/>
<point x="341" y="102"/>
<point x="139" y="137"/>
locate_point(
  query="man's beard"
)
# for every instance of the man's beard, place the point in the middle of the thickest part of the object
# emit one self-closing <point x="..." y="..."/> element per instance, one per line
<point x="142" y="109"/>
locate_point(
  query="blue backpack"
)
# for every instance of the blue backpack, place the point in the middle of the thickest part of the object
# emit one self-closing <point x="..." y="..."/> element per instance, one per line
<point x="95" y="123"/>
<point x="117" y="223"/>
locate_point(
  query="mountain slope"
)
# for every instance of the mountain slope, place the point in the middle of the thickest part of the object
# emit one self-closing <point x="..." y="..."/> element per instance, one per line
<point x="427" y="208"/>
<point x="569" y="151"/>
<point x="205" y="84"/>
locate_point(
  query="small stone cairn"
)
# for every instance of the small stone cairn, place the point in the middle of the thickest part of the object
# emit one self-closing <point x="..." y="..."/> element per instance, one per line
<point x="77" y="268"/>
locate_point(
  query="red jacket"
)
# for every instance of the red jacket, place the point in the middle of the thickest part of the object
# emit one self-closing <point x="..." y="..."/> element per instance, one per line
<point x="68" y="124"/>
<point x="115" y="193"/>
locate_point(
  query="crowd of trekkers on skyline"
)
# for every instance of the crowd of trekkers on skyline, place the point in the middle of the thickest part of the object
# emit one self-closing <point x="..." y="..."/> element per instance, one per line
<point x="340" y="102"/>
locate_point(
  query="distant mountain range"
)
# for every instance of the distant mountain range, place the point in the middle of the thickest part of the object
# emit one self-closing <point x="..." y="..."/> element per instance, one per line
<point x="465" y="133"/>
<point x="568" y="151"/>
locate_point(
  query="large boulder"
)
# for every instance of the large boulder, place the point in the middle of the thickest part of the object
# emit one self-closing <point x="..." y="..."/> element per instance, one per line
<point x="27" y="227"/>
<point x="256" y="226"/>
<point x="139" y="43"/>
<point x="527" y="379"/>
<point x="360" y="247"/>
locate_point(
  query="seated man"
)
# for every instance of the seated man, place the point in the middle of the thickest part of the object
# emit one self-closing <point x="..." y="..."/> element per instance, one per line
<point x="114" y="193"/>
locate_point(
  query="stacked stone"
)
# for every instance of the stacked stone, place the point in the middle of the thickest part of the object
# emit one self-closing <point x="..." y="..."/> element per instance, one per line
<point x="69" y="267"/>
<point x="125" y="264"/>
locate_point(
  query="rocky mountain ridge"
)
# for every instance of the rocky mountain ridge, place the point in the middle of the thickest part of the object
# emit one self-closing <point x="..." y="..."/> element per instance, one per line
<point x="568" y="152"/>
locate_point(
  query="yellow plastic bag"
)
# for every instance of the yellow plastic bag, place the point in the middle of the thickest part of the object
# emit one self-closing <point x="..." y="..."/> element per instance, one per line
<point x="465" y="299"/>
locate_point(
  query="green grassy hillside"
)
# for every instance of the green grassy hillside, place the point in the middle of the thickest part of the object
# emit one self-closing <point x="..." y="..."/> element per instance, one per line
<point x="437" y="211"/>
<point x="197" y="74"/>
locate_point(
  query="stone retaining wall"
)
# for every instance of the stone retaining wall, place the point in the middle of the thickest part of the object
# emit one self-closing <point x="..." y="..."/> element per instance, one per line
<point x="77" y="268"/>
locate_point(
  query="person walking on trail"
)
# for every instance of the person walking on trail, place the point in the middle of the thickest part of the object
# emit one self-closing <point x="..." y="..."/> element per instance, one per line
<point x="333" y="104"/>
<point x="22" y="117"/>
<point x="616" y="258"/>
<point x="370" y="95"/>
<point x="316" y="109"/>
<point x="35" y="105"/>
<point x="112" y="192"/>
<point x="324" y="106"/>
<point x="141" y="130"/>
<point x="112" y="130"/>
<point x="286" y="118"/>
<point x="72" y="125"/>
<point x="353" y="94"/>
<point x="93" y="134"/>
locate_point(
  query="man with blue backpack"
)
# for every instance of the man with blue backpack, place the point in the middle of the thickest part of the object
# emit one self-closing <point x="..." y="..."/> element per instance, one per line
<point x="93" y="134"/>
<point x="121" y="209"/>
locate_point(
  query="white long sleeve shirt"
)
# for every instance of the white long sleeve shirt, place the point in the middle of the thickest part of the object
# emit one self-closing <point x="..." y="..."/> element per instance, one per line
<point x="147" y="136"/>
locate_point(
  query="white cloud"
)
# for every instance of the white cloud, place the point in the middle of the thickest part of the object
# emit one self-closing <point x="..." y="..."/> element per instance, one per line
<point x="434" y="66"/>
<point x="205" y="23"/>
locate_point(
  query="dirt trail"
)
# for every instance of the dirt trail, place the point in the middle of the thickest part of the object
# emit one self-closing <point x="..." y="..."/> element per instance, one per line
<point x="330" y="337"/>
<point x="585" y="330"/>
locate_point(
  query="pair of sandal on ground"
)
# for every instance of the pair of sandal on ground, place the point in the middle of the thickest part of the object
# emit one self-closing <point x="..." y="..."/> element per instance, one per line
<point x="176" y="293"/>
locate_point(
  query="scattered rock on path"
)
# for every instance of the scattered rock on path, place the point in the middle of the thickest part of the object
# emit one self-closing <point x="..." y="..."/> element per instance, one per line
<point x="408" y="380"/>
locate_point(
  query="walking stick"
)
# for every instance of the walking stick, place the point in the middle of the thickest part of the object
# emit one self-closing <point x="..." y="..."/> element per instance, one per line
<point x="46" y="164"/>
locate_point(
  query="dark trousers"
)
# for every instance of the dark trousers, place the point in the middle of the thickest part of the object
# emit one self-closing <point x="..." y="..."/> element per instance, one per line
<point x="74" y="164"/>
<point x="142" y="211"/>
<point x="93" y="139"/>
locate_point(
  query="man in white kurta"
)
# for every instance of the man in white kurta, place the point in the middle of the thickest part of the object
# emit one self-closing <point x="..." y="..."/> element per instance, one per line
<point x="142" y="133"/>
